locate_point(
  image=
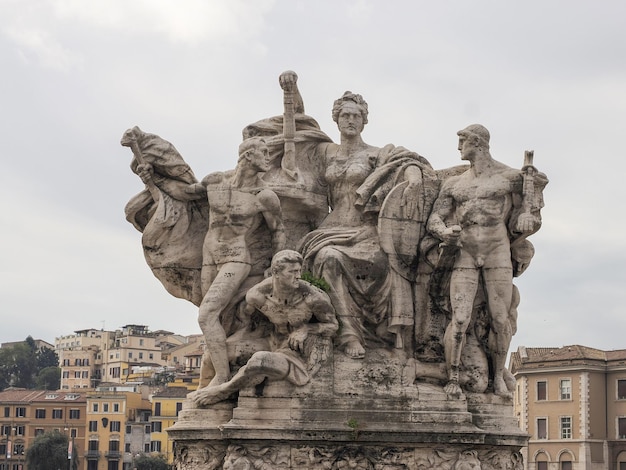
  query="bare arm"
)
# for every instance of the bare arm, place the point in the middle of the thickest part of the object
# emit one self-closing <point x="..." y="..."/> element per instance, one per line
<point x="324" y="312"/>
<point x="444" y="207"/>
<point x="289" y="82"/>
<point x="273" y="217"/>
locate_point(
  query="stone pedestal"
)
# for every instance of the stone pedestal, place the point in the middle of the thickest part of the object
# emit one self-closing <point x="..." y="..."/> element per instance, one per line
<point x="355" y="414"/>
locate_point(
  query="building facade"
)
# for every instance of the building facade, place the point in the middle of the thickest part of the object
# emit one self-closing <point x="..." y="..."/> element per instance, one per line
<point x="25" y="414"/>
<point x="572" y="403"/>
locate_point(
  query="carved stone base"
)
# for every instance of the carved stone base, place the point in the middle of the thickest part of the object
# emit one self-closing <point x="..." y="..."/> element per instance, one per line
<point x="356" y="415"/>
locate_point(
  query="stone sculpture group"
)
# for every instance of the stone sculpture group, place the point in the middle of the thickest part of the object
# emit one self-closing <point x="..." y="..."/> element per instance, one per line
<point x="310" y="248"/>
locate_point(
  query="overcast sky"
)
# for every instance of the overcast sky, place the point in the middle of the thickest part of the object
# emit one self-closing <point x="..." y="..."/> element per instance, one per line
<point x="543" y="75"/>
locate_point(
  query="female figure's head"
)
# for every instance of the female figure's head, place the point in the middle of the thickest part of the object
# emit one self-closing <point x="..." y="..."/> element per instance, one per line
<point x="350" y="114"/>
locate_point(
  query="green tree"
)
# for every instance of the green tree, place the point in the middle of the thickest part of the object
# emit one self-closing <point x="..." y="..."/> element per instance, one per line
<point x="149" y="462"/>
<point x="23" y="365"/>
<point x="47" y="358"/>
<point x="48" y="378"/>
<point x="49" y="452"/>
<point x="18" y="365"/>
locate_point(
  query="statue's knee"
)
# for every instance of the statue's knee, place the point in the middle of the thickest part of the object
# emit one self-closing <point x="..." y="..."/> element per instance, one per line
<point x="259" y="361"/>
<point x="327" y="260"/>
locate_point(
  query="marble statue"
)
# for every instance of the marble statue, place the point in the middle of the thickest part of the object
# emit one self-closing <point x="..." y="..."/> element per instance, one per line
<point x="239" y="205"/>
<point x="297" y="347"/>
<point x="372" y="297"/>
<point x="482" y="215"/>
<point x="357" y="304"/>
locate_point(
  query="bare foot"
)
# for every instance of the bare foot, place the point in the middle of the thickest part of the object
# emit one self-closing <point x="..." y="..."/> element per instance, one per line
<point x="210" y="395"/>
<point x="500" y="388"/>
<point x="408" y="372"/>
<point x="355" y="350"/>
<point x="453" y="389"/>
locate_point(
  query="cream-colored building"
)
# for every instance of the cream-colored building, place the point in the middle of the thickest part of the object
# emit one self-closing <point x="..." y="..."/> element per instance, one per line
<point x="572" y="402"/>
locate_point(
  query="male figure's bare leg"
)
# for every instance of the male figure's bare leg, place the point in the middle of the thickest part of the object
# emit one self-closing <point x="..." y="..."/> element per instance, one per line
<point x="463" y="287"/>
<point x="262" y="364"/>
<point x="207" y="372"/>
<point x="499" y="291"/>
<point x="223" y="288"/>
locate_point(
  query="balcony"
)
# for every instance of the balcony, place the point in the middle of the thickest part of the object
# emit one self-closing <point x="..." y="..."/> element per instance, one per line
<point x="113" y="454"/>
<point x="92" y="454"/>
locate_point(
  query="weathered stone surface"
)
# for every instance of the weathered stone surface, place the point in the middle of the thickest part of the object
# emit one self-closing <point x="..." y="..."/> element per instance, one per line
<point x="394" y="357"/>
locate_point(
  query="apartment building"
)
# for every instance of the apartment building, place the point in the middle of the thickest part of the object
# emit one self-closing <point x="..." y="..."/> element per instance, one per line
<point x="572" y="402"/>
<point x="166" y="404"/>
<point x="25" y="414"/>
<point x="117" y="427"/>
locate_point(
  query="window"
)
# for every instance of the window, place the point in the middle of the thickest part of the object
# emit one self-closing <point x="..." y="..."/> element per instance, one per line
<point x="39" y="431"/>
<point x="94" y="407"/>
<point x="20" y="412"/>
<point x="66" y="374"/>
<point x="542" y="390"/>
<point x="148" y="429"/>
<point x="93" y="445"/>
<point x="6" y="430"/>
<point x="155" y="446"/>
<point x="116" y="407"/>
<point x="156" y="426"/>
<point x="146" y="448"/>
<point x="621" y="428"/>
<point x="85" y="374"/>
<point x="3" y="450"/>
<point x="18" y="449"/>
<point x="128" y="429"/>
<point x="105" y="407"/>
<point x="77" y="374"/>
<point x="127" y="448"/>
<point x="40" y="413"/>
<point x="57" y="414"/>
<point x="565" y="387"/>
<point x="74" y="414"/>
<point x="621" y="389"/>
<point x="93" y="426"/>
<point x="542" y="465"/>
<point x="567" y="465"/>
<point x="130" y="354"/>
<point x="114" y="445"/>
<point x="141" y="342"/>
<point x="7" y="411"/>
<point x="73" y="432"/>
<point x="622" y="465"/>
<point x="115" y="426"/>
<point x="19" y="430"/>
<point x="566" y="427"/>
<point x="140" y="355"/>
<point x="151" y="356"/>
<point x="179" y="407"/>
<point x="157" y="408"/>
<point x="542" y="428"/>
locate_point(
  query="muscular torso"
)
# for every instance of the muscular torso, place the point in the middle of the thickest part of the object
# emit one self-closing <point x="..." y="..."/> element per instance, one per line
<point x="233" y="214"/>
<point x="482" y="206"/>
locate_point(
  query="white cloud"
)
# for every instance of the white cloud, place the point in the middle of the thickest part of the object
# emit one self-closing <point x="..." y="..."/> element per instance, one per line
<point x="187" y="22"/>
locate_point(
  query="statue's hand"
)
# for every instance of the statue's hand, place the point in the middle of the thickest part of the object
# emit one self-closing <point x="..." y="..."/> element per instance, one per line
<point x="297" y="337"/>
<point x="451" y="235"/>
<point x="410" y="196"/>
<point x="288" y="81"/>
<point x="145" y="172"/>
<point x="527" y="223"/>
